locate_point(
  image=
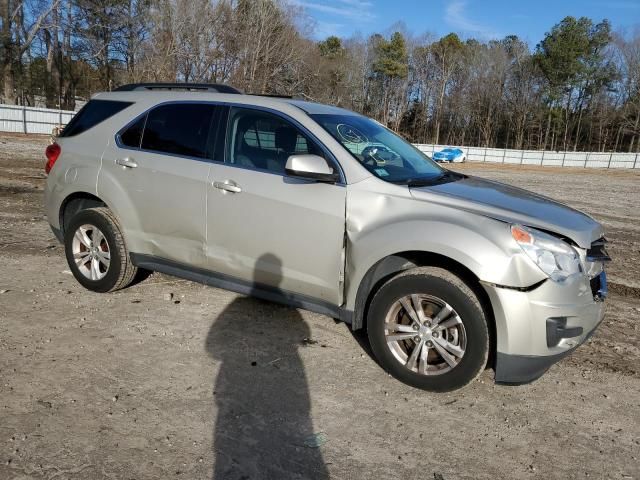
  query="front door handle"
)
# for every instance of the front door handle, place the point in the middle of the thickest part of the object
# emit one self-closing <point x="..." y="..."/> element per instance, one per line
<point x="126" y="162"/>
<point x="227" y="186"/>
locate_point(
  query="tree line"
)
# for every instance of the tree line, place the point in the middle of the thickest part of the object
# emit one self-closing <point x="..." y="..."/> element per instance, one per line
<point x="577" y="89"/>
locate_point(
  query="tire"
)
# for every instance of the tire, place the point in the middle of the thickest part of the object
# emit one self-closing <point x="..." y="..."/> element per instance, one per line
<point x="468" y="335"/>
<point x="101" y="225"/>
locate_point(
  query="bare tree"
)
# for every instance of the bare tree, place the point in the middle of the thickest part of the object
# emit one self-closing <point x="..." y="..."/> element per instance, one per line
<point x="579" y="89"/>
<point x="17" y="34"/>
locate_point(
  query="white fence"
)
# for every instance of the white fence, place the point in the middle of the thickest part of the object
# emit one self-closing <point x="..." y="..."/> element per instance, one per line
<point x="20" y="119"/>
<point x="544" y="157"/>
<point x="15" y="118"/>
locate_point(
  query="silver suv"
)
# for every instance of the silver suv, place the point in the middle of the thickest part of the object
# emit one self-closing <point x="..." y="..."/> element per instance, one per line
<point x="323" y="209"/>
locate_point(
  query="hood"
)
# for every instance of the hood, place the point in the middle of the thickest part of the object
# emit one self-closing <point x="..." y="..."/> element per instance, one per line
<point x="514" y="205"/>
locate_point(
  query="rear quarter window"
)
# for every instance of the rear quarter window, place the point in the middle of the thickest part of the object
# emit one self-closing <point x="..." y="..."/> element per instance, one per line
<point x="93" y="113"/>
<point x="132" y="136"/>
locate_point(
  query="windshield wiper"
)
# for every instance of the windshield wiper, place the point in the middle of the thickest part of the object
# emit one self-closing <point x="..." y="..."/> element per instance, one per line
<point x="444" y="177"/>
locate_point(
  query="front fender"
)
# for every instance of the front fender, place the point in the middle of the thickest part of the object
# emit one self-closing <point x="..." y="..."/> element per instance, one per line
<point x="380" y="225"/>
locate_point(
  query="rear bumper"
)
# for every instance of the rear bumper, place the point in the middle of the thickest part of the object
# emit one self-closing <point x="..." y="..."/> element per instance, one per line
<point x="536" y="329"/>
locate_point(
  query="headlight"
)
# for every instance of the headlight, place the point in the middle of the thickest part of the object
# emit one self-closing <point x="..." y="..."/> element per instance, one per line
<point x="555" y="258"/>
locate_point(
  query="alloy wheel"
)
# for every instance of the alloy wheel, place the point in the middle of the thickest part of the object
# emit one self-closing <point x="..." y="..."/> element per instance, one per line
<point x="91" y="252"/>
<point x="425" y="334"/>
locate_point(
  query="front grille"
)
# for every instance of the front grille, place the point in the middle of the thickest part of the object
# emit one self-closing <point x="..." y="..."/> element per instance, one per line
<point x="599" y="287"/>
<point x="595" y="285"/>
<point x="597" y="251"/>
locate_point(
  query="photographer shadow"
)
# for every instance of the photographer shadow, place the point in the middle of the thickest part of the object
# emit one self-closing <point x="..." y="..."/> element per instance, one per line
<point x="263" y="427"/>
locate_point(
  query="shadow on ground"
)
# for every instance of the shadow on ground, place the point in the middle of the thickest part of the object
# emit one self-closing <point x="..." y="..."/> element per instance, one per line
<point x="263" y="428"/>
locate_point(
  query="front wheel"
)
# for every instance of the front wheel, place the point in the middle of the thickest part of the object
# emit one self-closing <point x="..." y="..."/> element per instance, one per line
<point x="427" y="328"/>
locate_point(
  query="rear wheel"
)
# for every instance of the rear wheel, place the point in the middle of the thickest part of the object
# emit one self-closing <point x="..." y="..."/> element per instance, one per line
<point x="96" y="252"/>
<point x="427" y="329"/>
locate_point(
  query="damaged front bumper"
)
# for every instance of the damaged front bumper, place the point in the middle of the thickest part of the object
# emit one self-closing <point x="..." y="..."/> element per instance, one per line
<point x="537" y="328"/>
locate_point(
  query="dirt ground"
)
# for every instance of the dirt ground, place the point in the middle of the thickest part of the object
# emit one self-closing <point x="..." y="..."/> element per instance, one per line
<point x="172" y="379"/>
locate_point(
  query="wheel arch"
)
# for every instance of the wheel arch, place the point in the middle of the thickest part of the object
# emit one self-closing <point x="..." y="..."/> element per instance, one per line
<point x="74" y="203"/>
<point x="391" y="265"/>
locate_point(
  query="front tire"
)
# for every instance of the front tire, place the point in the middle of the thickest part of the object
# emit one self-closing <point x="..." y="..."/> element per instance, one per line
<point x="427" y="329"/>
<point x="96" y="252"/>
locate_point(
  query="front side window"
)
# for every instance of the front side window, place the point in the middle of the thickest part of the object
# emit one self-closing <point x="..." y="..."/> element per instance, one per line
<point x="379" y="150"/>
<point x="258" y="139"/>
<point x="179" y="129"/>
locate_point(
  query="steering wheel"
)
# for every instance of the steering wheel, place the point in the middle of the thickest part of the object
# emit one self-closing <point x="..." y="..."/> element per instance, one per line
<point x="369" y="156"/>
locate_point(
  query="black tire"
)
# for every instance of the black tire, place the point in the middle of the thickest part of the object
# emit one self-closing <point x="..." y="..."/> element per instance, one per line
<point x="120" y="272"/>
<point x="448" y="287"/>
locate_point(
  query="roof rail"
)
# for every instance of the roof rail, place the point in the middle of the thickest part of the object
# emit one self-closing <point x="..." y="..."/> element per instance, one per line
<point x="206" y="87"/>
<point x="270" y="95"/>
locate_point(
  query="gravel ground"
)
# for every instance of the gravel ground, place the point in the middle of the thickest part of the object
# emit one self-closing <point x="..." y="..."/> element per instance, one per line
<point x="172" y="379"/>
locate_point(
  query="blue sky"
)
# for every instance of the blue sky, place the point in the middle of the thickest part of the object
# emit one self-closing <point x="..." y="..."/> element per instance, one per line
<point x="470" y="18"/>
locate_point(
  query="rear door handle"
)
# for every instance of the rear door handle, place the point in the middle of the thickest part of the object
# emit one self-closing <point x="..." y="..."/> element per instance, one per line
<point x="228" y="186"/>
<point x="126" y="162"/>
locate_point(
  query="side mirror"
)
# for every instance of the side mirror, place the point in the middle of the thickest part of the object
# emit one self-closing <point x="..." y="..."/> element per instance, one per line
<point x="312" y="167"/>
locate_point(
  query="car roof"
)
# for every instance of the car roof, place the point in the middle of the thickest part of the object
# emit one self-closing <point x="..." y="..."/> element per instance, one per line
<point x="279" y="103"/>
<point x="314" y="108"/>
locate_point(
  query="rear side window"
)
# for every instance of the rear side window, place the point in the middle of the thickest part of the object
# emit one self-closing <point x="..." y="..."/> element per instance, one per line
<point x="92" y="114"/>
<point x="179" y="129"/>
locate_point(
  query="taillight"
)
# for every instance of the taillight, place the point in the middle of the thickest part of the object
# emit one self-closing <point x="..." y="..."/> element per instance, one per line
<point x="52" y="153"/>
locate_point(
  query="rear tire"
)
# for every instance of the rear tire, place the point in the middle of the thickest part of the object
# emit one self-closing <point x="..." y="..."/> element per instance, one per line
<point x="434" y="354"/>
<point x="96" y="251"/>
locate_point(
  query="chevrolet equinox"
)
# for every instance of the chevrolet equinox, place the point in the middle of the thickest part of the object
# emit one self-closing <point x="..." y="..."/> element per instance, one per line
<point x="320" y="208"/>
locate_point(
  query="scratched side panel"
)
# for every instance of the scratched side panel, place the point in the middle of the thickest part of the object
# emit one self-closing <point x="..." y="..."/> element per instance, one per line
<point x="161" y="203"/>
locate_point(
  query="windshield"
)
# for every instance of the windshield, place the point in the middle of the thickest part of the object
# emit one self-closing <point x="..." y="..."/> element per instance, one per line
<point x="381" y="151"/>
